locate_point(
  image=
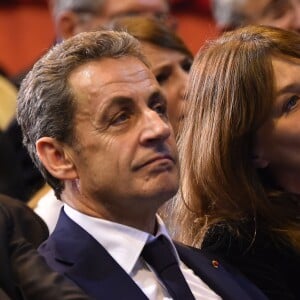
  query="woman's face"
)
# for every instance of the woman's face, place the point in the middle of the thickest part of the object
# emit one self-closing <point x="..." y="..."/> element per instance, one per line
<point x="170" y="68"/>
<point x="278" y="140"/>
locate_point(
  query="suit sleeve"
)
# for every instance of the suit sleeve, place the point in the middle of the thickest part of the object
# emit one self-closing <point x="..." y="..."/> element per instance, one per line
<point x="36" y="280"/>
<point x="24" y="273"/>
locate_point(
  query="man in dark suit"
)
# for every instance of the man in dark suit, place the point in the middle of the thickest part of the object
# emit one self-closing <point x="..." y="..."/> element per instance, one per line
<point x="95" y="122"/>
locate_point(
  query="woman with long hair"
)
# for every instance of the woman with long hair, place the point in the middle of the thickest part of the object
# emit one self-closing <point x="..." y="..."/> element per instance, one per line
<point x="240" y="156"/>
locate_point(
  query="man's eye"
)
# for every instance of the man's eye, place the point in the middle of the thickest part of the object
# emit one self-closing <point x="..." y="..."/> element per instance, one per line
<point x="120" y="118"/>
<point x="291" y="103"/>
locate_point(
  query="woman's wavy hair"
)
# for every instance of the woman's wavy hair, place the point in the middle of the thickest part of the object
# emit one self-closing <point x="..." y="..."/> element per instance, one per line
<point x="230" y="94"/>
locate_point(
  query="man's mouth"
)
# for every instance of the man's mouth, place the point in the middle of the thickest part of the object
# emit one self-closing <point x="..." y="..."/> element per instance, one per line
<point x="162" y="159"/>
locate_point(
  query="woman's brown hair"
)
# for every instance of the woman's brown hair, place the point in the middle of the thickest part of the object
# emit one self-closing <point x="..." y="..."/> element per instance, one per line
<point x="230" y="94"/>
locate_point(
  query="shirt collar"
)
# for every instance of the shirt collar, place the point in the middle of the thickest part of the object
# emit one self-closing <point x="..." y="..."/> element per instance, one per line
<point x="122" y="242"/>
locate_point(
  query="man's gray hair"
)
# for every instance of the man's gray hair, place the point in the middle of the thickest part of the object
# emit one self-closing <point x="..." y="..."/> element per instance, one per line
<point x="46" y="102"/>
<point x="227" y="13"/>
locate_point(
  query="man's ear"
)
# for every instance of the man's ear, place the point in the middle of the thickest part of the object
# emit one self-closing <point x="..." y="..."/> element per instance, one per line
<point x="56" y="159"/>
<point x="66" y="24"/>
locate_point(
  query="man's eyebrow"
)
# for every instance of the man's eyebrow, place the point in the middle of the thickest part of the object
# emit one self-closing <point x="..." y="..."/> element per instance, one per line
<point x="128" y="101"/>
<point x="157" y="95"/>
<point x="117" y="101"/>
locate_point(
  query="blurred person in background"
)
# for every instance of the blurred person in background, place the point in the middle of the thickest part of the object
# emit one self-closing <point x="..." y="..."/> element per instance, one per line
<point x="71" y="17"/>
<point x="8" y="96"/>
<point x="10" y="178"/>
<point x="230" y="14"/>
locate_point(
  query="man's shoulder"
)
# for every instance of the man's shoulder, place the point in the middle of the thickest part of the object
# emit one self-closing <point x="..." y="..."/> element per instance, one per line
<point x="68" y="241"/>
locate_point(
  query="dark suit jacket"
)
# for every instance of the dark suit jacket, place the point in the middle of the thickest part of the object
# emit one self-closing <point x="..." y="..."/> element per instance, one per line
<point x="25" y="179"/>
<point x="270" y="264"/>
<point x="11" y="181"/>
<point x="23" y="272"/>
<point x="72" y="251"/>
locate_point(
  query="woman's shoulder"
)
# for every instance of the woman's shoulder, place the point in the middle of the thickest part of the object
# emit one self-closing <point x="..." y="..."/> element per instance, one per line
<point x="231" y="239"/>
<point x="244" y="239"/>
<point x="272" y="265"/>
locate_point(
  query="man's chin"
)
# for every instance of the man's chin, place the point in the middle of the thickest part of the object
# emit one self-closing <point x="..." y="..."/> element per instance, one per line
<point x="164" y="189"/>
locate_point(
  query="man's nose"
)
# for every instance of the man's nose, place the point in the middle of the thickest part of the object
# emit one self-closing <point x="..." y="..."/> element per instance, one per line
<point x="155" y="127"/>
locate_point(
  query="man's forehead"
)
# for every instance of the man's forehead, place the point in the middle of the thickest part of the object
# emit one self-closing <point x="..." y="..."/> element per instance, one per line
<point x="108" y="77"/>
<point x="139" y="84"/>
<point x="110" y="70"/>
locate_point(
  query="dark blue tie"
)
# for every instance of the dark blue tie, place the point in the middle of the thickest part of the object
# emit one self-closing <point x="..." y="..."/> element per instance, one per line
<point x="159" y="255"/>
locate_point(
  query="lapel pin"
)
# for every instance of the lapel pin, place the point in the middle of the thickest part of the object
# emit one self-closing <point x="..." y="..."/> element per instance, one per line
<point x="215" y="263"/>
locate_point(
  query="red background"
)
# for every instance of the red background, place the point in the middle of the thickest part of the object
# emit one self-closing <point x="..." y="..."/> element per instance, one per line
<point x="26" y="29"/>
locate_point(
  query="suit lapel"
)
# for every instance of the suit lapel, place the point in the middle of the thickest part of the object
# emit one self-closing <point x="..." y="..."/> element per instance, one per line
<point x="88" y="264"/>
<point x="224" y="283"/>
<point x="81" y="258"/>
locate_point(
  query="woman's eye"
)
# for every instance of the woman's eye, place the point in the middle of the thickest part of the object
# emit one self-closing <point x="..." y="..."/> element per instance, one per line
<point x="291" y="103"/>
<point x="186" y="65"/>
<point x="160" y="109"/>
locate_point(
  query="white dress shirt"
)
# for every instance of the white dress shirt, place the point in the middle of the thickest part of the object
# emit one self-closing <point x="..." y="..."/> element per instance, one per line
<point x="125" y="245"/>
<point x="48" y="208"/>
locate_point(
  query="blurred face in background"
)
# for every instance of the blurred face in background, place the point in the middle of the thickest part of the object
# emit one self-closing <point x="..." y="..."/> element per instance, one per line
<point x="170" y="68"/>
<point x="278" y="13"/>
<point x="118" y="8"/>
